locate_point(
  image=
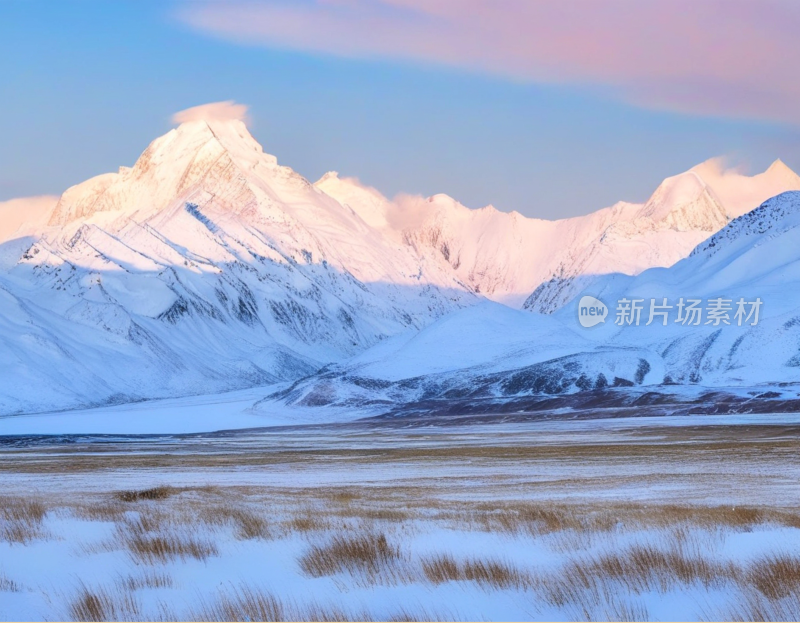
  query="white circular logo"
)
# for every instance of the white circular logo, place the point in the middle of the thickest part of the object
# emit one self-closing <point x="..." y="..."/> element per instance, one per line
<point x="591" y="311"/>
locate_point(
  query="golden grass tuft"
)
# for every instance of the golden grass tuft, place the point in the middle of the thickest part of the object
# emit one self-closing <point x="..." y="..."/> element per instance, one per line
<point x="776" y="576"/>
<point x="242" y="604"/>
<point x="148" y="579"/>
<point x="165" y="547"/>
<point x="247" y="524"/>
<point x="490" y="573"/>
<point x="246" y="603"/>
<point x="645" y="567"/>
<point x="155" y="538"/>
<point x="308" y="522"/>
<point x="589" y="582"/>
<point x="21" y="519"/>
<point x="753" y="606"/>
<point x="104" y="605"/>
<point x="368" y="552"/>
<point x="105" y="511"/>
<point x="155" y="493"/>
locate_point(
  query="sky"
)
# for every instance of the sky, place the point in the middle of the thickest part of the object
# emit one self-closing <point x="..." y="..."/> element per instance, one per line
<point x="551" y="108"/>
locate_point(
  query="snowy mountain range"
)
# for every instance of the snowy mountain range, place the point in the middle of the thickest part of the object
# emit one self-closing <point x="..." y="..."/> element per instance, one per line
<point x="541" y="264"/>
<point x="490" y="355"/>
<point x="207" y="267"/>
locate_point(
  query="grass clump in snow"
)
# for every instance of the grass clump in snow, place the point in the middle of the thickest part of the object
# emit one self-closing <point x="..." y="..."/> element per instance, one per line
<point x="155" y="493"/>
<point x="490" y="573"/>
<point x="367" y="552"/>
<point x="149" y="579"/>
<point x="246" y="603"/>
<point x="247" y="523"/>
<point x="21" y="519"/>
<point x="154" y="539"/>
<point x="8" y="585"/>
<point x="101" y="604"/>
<point x="751" y="605"/>
<point x="777" y="576"/>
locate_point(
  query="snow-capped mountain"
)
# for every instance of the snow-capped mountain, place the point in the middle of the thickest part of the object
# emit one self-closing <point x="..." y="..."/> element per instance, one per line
<point x="540" y="264"/>
<point x="207" y="266"/>
<point x="754" y="258"/>
<point x="204" y="267"/>
<point x="490" y="354"/>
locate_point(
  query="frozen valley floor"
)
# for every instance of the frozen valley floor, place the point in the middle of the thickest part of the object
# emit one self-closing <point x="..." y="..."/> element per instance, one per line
<point x="684" y="518"/>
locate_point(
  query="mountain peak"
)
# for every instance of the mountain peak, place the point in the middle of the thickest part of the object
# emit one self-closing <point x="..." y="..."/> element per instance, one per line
<point x="200" y="152"/>
<point x="779" y="167"/>
<point x="685" y="202"/>
<point x="330" y="175"/>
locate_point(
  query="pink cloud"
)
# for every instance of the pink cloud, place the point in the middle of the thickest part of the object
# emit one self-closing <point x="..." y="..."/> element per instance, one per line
<point x="215" y="111"/>
<point x="736" y="58"/>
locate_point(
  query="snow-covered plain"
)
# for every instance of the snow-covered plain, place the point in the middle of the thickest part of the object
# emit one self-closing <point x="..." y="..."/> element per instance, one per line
<point x="555" y="520"/>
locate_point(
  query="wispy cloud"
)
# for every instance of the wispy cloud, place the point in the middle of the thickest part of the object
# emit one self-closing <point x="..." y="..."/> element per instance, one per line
<point x="215" y="111"/>
<point x="735" y="58"/>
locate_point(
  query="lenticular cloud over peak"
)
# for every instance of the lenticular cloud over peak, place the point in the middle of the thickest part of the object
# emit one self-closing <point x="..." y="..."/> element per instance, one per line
<point x="215" y="111"/>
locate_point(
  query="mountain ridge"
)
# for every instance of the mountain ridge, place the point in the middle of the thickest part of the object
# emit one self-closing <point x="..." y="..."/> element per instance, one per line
<point x="208" y="266"/>
<point x="539" y="264"/>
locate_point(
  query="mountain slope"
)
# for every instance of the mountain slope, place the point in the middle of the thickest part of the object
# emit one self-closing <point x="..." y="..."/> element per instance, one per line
<point x="489" y="355"/>
<point x="753" y="257"/>
<point x="204" y="267"/>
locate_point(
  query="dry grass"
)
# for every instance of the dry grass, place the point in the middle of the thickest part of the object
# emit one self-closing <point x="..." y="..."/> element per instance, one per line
<point x="776" y="577"/>
<point x="246" y="603"/>
<point x="154" y="493"/>
<point x="309" y="522"/>
<point x="343" y="495"/>
<point x="111" y="511"/>
<point x="21" y="519"/>
<point x="491" y="573"/>
<point x="152" y="540"/>
<point x="596" y="583"/>
<point x="165" y="547"/>
<point x="538" y="519"/>
<point x="405" y="614"/>
<point x="356" y="534"/>
<point x="249" y="604"/>
<point x="242" y="604"/>
<point x="753" y="606"/>
<point x="7" y="585"/>
<point x="645" y="567"/>
<point x="148" y="579"/>
<point x="365" y="553"/>
<point x="104" y="605"/>
<point x="247" y="524"/>
<point x="547" y="518"/>
<point x="604" y="587"/>
<point x="626" y="609"/>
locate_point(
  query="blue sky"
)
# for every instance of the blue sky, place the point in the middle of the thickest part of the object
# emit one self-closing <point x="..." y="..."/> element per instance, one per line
<point x="87" y="85"/>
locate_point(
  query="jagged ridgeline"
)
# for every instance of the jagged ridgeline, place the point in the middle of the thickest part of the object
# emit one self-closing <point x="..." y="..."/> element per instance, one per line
<point x="207" y="266"/>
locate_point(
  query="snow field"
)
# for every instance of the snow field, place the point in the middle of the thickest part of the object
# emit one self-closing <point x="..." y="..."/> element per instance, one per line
<point x="620" y="522"/>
